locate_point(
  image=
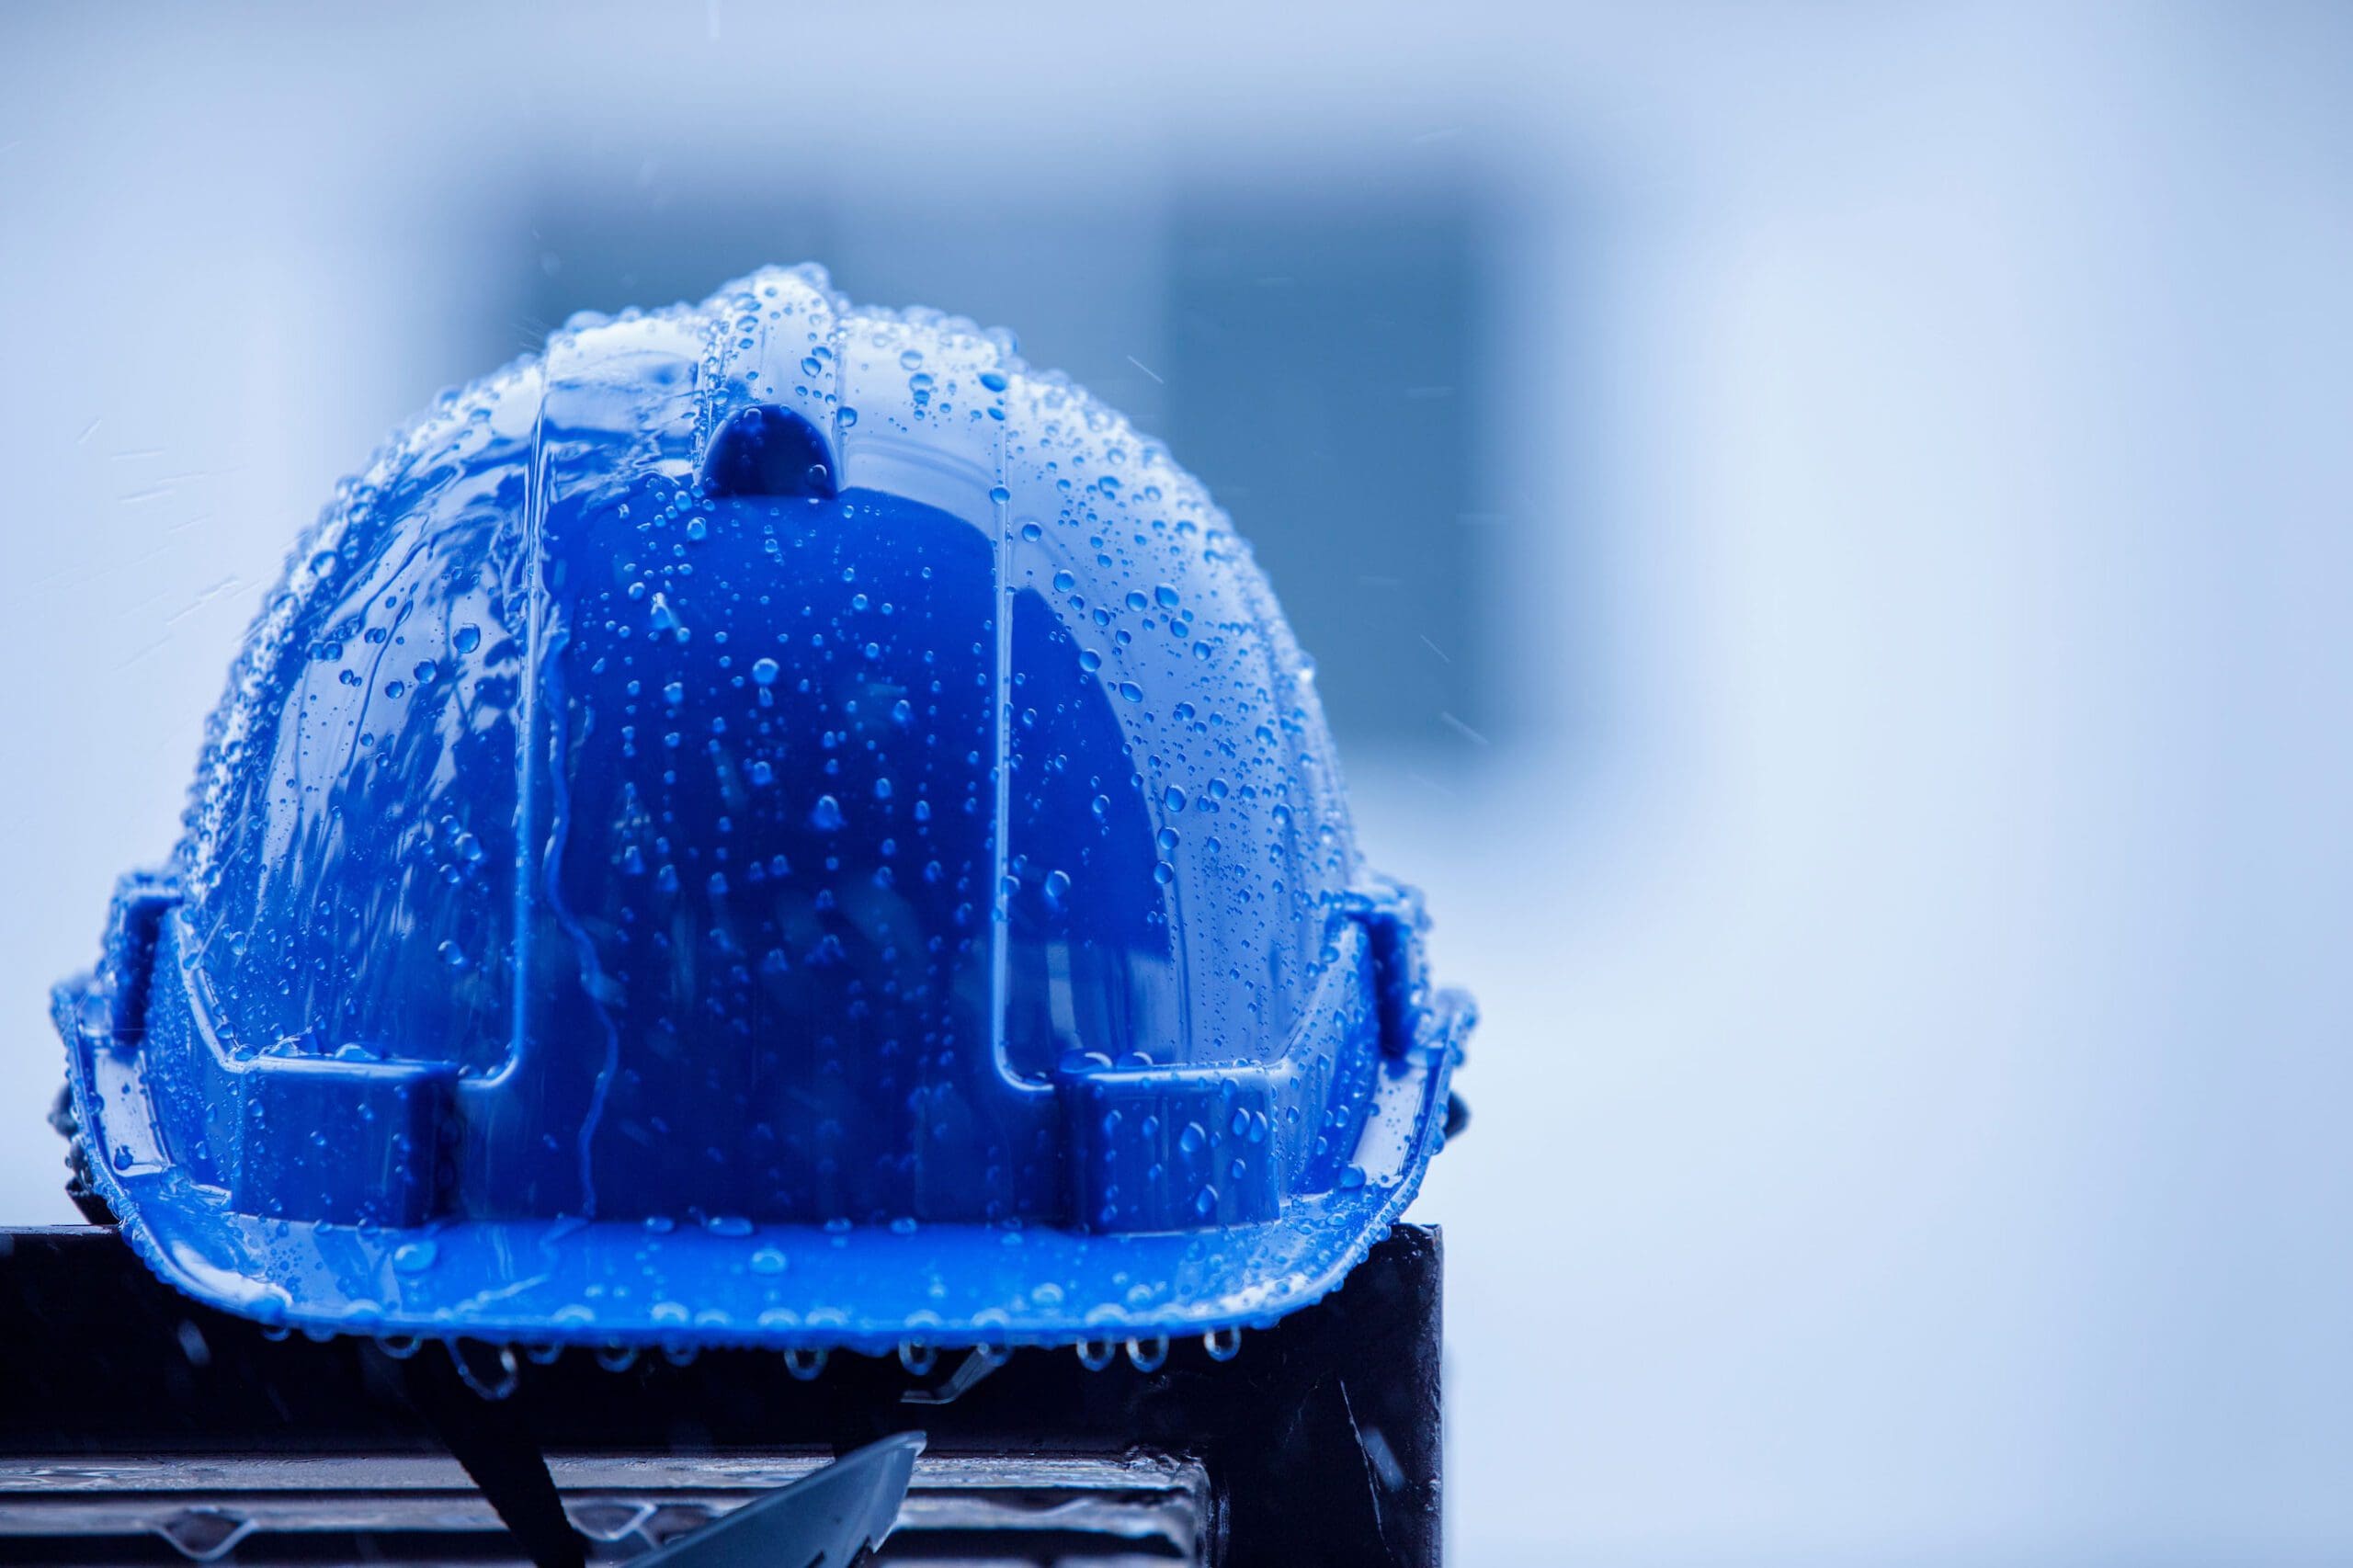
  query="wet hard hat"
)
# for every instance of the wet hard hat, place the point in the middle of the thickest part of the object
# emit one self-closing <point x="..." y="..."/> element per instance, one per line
<point x="770" y="823"/>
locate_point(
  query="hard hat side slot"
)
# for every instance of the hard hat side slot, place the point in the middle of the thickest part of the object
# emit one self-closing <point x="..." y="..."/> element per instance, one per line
<point x="1171" y="1149"/>
<point x="341" y="1141"/>
<point x="345" y="1139"/>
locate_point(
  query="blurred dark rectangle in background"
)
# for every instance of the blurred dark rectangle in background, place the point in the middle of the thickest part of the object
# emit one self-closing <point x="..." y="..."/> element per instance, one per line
<point x="1321" y="379"/>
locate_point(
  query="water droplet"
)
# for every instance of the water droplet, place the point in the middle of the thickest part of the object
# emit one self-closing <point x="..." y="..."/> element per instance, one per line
<point x="414" y="1257"/>
<point x="1166" y="594"/>
<point x="663" y="619"/>
<point x="468" y="639"/>
<point x="827" y="815"/>
<point x="1173" y="798"/>
<point x="452" y="954"/>
<point x="1131" y="691"/>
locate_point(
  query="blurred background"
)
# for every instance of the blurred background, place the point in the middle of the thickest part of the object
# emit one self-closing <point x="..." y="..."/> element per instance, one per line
<point x="1828" y="537"/>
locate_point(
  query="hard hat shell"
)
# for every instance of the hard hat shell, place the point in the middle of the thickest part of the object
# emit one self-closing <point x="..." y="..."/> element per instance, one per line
<point x="770" y="823"/>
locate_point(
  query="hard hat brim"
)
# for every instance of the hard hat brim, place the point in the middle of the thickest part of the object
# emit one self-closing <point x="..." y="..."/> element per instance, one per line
<point x="571" y="1281"/>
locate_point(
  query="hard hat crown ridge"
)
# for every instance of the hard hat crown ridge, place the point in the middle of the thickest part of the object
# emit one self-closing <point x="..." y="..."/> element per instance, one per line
<point x="770" y="823"/>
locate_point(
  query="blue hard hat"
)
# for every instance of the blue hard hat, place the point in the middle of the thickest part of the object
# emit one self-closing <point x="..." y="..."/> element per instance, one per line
<point x="771" y="823"/>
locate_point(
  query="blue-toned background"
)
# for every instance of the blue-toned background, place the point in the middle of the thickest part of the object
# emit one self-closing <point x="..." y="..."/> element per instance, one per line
<point x="1828" y="536"/>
